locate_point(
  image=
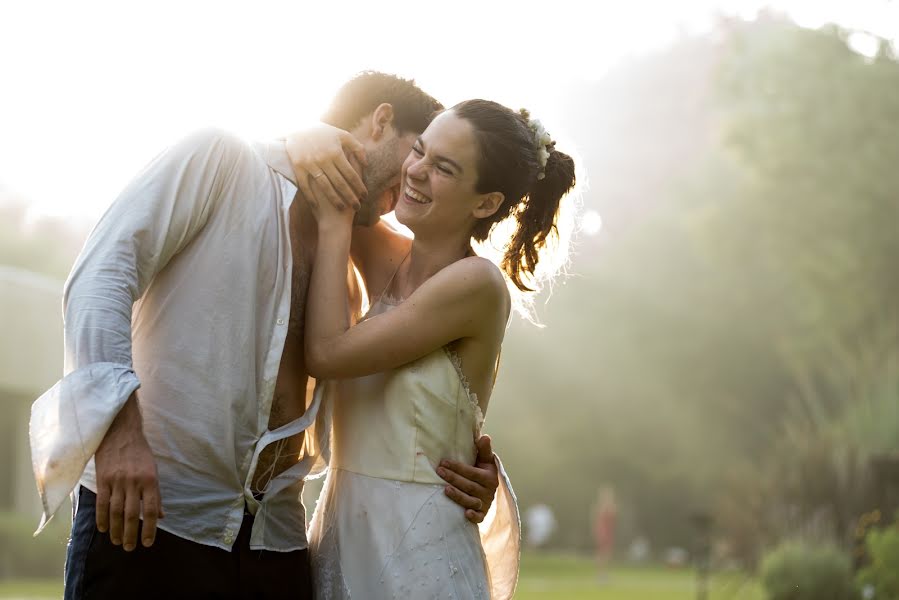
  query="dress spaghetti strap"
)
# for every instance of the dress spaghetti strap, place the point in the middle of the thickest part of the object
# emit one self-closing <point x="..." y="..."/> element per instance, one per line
<point x="384" y="293"/>
<point x="396" y="300"/>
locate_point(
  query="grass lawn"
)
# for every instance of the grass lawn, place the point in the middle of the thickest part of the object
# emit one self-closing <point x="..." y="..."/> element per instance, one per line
<point x="575" y="578"/>
<point x="32" y="589"/>
<point x="551" y="576"/>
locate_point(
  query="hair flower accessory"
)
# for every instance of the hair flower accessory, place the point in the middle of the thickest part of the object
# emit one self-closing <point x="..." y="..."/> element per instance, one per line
<point x="544" y="143"/>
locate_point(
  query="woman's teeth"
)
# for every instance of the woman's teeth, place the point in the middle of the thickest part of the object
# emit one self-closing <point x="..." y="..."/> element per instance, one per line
<point x="416" y="197"/>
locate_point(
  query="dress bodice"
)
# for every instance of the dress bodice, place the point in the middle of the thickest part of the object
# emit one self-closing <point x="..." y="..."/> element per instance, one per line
<point x="400" y="423"/>
<point x="383" y="526"/>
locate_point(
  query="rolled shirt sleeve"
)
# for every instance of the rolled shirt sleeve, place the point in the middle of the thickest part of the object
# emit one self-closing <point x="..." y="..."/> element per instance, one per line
<point x="501" y="538"/>
<point x="158" y="214"/>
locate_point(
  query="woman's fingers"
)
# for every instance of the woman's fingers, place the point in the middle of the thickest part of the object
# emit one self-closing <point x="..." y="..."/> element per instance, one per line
<point x="339" y="186"/>
<point x="353" y="146"/>
<point x="351" y="176"/>
<point x="323" y="190"/>
<point x="320" y="158"/>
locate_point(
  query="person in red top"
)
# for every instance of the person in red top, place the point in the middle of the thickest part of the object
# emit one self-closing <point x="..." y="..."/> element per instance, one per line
<point x="605" y="513"/>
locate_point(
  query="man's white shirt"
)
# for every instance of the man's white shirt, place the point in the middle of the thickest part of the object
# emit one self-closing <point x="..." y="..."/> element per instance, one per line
<point x="183" y="290"/>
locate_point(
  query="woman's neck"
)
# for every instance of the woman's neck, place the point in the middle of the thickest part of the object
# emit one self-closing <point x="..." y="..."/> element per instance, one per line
<point x="426" y="259"/>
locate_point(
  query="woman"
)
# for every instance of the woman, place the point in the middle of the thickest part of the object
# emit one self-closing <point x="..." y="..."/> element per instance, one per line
<point x="411" y="381"/>
<point x="605" y="513"/>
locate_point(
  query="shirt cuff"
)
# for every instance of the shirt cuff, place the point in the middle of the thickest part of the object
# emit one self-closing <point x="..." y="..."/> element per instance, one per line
<point x="68" y="422"/>
<point x="501" y="538"/>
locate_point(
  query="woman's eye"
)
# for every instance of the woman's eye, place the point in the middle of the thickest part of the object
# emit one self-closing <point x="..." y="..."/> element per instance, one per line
<point x="417" y="151"/>
<point x="444" y="170"/>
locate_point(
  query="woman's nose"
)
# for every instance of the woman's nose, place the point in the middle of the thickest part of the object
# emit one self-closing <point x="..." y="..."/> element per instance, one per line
<point x="418" y="169"/>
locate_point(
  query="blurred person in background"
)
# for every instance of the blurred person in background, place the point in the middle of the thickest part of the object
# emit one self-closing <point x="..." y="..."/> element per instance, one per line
<point x="539" y="525"/>
<point x="605" y="515"/>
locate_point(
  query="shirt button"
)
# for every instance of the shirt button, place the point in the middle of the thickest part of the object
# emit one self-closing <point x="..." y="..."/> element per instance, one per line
<point x="229" y="536"/>
<point x="280" y="321"/>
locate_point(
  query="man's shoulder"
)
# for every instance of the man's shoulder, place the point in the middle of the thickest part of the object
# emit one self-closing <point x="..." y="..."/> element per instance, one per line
<point x="260" y="158"/>
<point x="220" y="142"/>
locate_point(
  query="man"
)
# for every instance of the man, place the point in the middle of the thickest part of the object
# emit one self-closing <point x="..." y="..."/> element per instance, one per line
<point x="192" y="288"/>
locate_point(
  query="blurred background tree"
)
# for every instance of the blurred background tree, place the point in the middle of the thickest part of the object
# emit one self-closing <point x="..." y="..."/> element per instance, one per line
<point x="731" y="339"/>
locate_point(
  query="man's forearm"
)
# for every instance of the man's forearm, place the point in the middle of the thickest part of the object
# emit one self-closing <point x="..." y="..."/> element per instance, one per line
<point x="128" y="420"/>
<point x="127" y="481"/>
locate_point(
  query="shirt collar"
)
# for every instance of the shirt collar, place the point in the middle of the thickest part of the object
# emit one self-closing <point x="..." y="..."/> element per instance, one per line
<point x="275" y="154"/>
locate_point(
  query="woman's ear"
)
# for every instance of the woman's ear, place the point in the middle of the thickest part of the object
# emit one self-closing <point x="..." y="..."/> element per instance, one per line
<point x="488" y="205"/>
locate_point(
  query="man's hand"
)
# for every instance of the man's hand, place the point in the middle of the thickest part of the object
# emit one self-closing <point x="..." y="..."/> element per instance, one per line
<point x="472" y="487"/>
<point x="321" y="163"/>
<point x="127" y="483"/>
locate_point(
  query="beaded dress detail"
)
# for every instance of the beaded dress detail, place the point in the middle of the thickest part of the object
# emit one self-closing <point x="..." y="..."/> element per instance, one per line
<point x="383" y="527"/>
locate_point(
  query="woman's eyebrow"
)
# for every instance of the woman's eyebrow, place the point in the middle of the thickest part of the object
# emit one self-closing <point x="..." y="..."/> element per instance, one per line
<point x="441" y="158"/>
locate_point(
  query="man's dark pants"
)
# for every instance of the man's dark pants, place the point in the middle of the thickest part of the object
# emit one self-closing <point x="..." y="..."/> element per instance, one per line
<point x="177" y="568"/>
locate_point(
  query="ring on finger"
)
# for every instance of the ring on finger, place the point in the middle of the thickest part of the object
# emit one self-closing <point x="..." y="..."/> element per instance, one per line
<point x="317" y="175"/>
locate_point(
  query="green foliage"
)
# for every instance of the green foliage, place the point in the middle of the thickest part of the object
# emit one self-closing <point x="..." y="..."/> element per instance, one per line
<point x="882" y="574"/>
<point x="800" y="571"/>
<point x="813" y="126"/>
<point x="730" y="338"/>
<point x="811" y="218"/>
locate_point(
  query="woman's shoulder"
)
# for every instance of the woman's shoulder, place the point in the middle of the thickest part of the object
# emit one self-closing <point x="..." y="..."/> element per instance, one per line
<point x="475" y="277"/>
<point x="479" y="270"/>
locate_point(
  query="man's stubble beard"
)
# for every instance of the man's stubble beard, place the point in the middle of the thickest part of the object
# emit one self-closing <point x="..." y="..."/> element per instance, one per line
<point x="378" y="177"/>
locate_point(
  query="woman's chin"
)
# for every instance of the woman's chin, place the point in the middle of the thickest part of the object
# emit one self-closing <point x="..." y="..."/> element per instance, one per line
<point x="403" y="217"/>
<point x="405" y="213"/>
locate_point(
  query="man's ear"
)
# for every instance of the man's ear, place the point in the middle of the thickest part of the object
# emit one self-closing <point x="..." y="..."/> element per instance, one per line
<point x="381" y="121"/>
<point x="488" y="204"/>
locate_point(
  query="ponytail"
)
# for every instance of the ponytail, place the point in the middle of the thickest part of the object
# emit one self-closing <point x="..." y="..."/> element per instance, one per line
<point x="518" y="158"/>
<point x="536" y="219"/>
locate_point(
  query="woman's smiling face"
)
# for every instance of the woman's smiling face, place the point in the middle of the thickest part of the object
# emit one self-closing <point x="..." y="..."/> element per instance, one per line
<point x="439" y="177"/>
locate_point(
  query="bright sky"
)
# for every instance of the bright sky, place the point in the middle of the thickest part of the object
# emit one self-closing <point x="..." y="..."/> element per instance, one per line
<point x="92" y="90"/>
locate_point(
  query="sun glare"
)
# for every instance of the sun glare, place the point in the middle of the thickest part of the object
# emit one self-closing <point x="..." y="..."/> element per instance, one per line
<point x="864" y="43"/>
<point x="103" y="86"/>
<point x="591" y="222"/>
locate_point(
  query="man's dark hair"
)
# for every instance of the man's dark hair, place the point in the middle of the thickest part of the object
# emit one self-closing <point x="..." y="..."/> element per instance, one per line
<point x="412" y="108"/>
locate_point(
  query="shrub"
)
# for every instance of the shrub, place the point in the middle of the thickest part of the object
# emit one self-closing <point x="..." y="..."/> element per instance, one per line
<point x="800" y="571"/>
<point x="882" y="574"/>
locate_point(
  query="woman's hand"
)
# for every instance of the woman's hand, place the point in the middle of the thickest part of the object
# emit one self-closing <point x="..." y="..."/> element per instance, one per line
<point x="331" y="219"/>
<point x="320" y="157"/>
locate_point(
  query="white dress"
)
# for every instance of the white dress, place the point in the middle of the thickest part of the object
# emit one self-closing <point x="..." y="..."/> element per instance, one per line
<point x="383" y="527"/>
